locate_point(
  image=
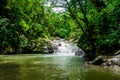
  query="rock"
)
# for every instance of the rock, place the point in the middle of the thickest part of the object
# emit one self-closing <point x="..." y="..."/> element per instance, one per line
<point x="112" y="61"/>
<point x="104" y="64"/>
<point x="98" y="60"/>
<point x="47" y="49"/>
<point x="80" y="52"/>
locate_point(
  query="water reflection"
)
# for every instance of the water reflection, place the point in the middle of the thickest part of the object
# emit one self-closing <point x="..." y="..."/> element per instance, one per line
<point x="44" y="67"/>
<point x="98" y="73"/>
<point x="10" y="71"/>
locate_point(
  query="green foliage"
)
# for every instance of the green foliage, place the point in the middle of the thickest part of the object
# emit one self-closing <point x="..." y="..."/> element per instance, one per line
<point x="109" y="30"/>
<point x="26" y="21"/>
<point x="100" y="25"/>
<point x="26" y="24"/>
<point x="8" y="35"/>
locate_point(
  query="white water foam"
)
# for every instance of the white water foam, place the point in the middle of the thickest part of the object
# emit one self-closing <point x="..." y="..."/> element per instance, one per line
<point x="64" y="48"/>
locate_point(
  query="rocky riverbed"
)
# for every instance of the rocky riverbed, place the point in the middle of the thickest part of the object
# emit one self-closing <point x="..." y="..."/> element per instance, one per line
<point x="113" y="60"/>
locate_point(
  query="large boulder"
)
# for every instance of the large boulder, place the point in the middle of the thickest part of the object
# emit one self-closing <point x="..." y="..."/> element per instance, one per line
<point x="80" y="52"/>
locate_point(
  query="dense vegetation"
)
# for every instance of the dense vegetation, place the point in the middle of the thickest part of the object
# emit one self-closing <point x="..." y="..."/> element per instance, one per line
<point x="27" y="25"/>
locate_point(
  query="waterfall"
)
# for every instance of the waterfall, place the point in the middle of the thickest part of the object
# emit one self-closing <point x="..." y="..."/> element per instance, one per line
<point x="64" y="48"/>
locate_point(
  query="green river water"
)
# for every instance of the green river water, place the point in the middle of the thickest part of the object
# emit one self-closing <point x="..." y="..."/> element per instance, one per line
<point x="51" y="67"/>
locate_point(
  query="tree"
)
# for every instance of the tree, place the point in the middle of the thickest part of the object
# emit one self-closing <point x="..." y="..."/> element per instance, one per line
<point x="79" y="12"/>
<point x="96" y="20"/>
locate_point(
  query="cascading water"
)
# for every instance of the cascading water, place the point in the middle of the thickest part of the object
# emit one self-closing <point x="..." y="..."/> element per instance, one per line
<point x="64" y="48"/>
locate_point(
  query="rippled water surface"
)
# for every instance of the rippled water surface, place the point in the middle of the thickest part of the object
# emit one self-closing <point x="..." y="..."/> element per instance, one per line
<point x="51" y="67"/>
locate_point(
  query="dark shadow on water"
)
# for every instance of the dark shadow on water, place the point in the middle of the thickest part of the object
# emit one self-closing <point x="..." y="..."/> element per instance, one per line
<point x="98" y="73"/>
<point x="9" y="71"/>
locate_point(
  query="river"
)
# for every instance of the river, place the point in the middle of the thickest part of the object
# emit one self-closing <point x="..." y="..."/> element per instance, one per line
<point x="52" y="67"/>
<point x="61" y="65"/>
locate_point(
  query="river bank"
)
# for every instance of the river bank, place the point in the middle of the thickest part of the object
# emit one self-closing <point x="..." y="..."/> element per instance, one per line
<point x="103" y="60"/>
